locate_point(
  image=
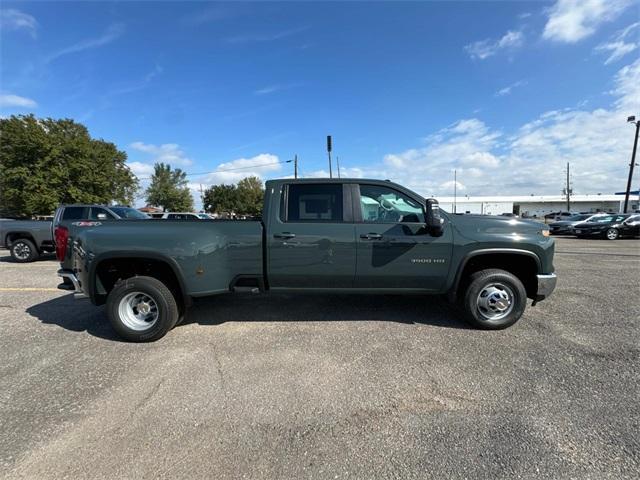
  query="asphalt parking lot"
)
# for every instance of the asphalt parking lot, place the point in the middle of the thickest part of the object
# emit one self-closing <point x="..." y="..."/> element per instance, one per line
<point x="317" y="386"/>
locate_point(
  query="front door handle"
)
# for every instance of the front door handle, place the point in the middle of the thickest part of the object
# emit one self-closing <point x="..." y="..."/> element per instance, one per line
<point x="284" y="235"/>
<point x="371" y="236"/>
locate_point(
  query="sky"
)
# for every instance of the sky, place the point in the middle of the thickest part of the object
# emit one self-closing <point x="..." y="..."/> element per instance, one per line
<point x="504" y="93"/>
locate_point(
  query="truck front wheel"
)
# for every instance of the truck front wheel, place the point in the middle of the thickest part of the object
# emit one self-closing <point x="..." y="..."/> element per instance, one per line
<point x="142" y="309"/>
<point x="494" y="299"/>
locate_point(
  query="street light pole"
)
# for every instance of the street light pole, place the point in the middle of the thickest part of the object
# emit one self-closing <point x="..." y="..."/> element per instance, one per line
<point x="631" y="119"/>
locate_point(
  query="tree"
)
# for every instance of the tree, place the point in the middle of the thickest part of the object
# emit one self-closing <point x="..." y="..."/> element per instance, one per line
<point x="245" y="198"/>
<point x="169" y="189"/>
<point x="221" y="199"/>
<point x="250" y="196"/>
<point x="45" y="162"/>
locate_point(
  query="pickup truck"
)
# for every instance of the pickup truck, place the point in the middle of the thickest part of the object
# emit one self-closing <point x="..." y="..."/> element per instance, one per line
<point x="26" y="240"/>
<point x="328" y="235"/>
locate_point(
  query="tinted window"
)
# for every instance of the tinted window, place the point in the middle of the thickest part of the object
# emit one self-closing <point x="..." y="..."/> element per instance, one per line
<point x="95" y="211"/>
<point x="314" y="203"/>
<point x="127" y="212"/>
<point x="72" y="213"/>
<point x="382" y="204"/>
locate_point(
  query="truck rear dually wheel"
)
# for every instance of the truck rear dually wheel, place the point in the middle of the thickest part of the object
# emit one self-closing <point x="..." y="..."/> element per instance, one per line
<point x="494" y="299"/>
<point x="142" y="309"/>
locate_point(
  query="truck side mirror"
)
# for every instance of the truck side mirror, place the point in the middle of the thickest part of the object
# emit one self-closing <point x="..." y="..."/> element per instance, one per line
<point x="434" y="220"/>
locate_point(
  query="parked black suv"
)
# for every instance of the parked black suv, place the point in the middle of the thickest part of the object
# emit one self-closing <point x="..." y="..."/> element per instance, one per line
<point x="609" y="226"/>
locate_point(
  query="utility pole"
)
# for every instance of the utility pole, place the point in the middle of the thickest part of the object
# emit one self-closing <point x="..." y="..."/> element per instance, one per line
<point x="329" y="153"/>
<point x="455" y="190"/>
<point x="338" y="165"/>
<point x="633" y="162"/>
<point x="568" y="190"/>
<point x="202" y="197"/>
<point x="295" y="166"/>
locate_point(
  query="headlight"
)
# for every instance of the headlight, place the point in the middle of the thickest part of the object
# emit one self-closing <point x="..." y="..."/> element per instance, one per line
<point x="545" y="233"/>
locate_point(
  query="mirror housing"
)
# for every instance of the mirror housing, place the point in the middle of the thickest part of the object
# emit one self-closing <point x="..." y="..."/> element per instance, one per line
<point x="435" y="222"/>
<point x="102" y="216"/>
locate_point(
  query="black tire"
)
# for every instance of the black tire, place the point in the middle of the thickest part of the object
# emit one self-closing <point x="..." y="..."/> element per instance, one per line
<point x="23" y="251"/>
<point x="502" y="283"/>
<point x="612" y="234"/>
<point x="147" y="287"/>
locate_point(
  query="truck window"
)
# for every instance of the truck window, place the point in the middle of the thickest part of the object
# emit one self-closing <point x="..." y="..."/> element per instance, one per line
<point x="314" y="203"/>
<point x="96" y="210"/>
<point x="73" y="213"/>
<point x="382" y="204"/>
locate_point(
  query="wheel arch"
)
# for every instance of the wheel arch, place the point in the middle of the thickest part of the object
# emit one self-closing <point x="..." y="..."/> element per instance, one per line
<point x="524" y="264"/>
<point x="163" y="268"/>
<point x="11" y="237"/>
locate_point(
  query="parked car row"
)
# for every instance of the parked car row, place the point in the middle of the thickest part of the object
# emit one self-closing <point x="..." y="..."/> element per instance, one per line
<point x="601" y="225"/>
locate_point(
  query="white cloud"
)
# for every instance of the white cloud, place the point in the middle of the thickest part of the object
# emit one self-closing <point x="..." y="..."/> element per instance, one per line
<point x="618" y="46"/>
<point x="509" y="88"/>
<point x="232" y="172"/>
<point x="449" y="186"/>
<point x="141" y="170"/>
<point x="10" y="100"/>
<point x="112" y="33"/>
<point x="170" y="153"/>
<point x="572" y="20"/>
<point x="597" y="143"/>
<point x="265" y="37"/>
<point x="487" y="48"/>
<point x="12" y="19"/>
<point x="273" y="89"/>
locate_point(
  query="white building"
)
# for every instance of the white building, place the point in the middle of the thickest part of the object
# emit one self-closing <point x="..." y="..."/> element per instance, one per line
<point x="536" y="205"/>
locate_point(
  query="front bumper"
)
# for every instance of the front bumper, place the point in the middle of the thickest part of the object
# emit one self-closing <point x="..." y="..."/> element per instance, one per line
<point x="546" y="285"/>
<point x="77" y="286"/>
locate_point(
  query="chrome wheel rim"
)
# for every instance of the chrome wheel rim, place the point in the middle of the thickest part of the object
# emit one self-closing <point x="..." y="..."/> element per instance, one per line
<point x="495" y="301"/>
<point x="612" y="234"/>
<point x="138" y="311"/>
<point x="21" y="250"/>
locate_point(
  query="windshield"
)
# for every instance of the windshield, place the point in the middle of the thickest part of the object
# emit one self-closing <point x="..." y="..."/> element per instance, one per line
<point x="127" y="212"/>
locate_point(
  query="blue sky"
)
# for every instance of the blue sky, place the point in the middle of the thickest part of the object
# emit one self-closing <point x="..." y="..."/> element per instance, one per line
<point x="504" y="92"/>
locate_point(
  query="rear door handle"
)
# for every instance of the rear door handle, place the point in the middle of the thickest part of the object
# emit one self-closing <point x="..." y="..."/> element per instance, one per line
<point x="284" y="235"/>
<point x="371" y="236"/>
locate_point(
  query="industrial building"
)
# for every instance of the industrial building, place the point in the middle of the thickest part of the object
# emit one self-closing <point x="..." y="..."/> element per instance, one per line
<point x="537" y="205"/>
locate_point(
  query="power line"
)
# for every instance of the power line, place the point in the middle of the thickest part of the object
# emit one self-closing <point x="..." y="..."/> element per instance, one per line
<point x="227" y="169"/>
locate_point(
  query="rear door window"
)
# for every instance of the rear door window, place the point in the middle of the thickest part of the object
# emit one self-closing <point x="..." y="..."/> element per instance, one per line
<point x="314" y="203"/>
<point x="73" y="213"/>
<point x="96" y="210"/>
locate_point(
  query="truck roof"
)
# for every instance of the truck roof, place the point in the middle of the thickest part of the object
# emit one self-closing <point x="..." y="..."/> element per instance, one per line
<point x="328" y="180"/>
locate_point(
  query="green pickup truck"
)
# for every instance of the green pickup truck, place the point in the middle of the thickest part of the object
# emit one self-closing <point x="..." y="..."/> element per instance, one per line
<point x="329" y="235"/>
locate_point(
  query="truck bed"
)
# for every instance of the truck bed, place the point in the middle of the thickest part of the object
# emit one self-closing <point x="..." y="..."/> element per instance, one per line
<point x="208" y="255"/>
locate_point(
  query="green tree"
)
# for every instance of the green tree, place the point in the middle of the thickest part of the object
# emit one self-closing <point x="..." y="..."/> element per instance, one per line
<point x="250" y="196"/>
<point x="221" y="199"/>
<point x="45" y="162"/>
<point x="245" y="198"/>
<point x="169" y="189"/>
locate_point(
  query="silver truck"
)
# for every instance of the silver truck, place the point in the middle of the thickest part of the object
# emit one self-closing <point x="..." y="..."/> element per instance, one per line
<point x="26" y="240"/>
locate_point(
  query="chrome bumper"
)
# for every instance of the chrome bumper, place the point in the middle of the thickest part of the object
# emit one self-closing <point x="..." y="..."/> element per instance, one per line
<point x="78" y="293"/>
<point x="546" y="285"/>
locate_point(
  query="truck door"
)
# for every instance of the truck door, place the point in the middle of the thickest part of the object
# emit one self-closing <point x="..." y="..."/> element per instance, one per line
<point x="311" y="239"/>
<point x="394" y="248"/>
